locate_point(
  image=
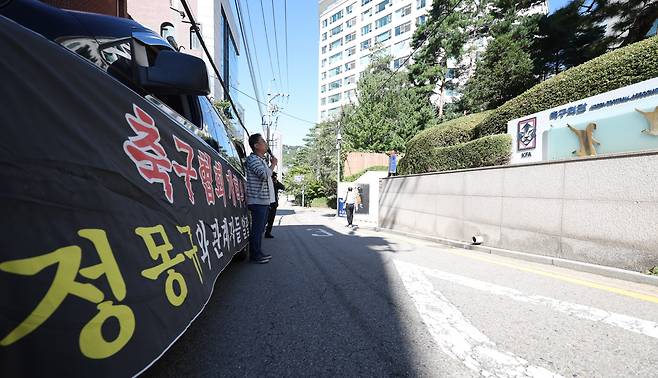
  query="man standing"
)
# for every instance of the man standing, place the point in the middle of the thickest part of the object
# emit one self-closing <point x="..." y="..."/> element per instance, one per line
<point x="273" y="206"/>
<point x="260" y="194"/>
<point x="393" y="163"/>
<point x="350" y="199"/>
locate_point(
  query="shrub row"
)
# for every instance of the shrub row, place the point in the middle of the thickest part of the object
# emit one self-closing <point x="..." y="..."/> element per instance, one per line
<point x="621" y="67"/>
<point x="483" y="152"/>
<point x="449" y="133"/>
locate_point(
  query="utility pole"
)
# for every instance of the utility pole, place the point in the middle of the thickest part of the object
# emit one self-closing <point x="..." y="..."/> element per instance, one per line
<point x="272" y="110"/>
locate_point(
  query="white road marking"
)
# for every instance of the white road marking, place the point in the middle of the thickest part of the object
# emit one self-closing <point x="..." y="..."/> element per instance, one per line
<point x="456" y="336"/>
<point x="629" y="323"/>
<point x="323" y="233"/>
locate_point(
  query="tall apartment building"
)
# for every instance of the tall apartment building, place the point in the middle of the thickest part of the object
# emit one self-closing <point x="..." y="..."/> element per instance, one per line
<point x="348" y="30"/>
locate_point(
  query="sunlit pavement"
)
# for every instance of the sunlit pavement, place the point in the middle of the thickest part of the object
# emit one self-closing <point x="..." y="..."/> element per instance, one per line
<point x="337" y="301"/>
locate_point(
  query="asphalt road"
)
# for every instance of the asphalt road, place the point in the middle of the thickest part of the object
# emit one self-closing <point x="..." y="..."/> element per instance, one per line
<point x="340" y="302"/>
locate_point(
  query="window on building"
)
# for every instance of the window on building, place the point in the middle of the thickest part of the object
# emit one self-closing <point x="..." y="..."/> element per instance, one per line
<point x="366" y="14"/>
<point x="366" y="29"/>
<point x="350" y="66"/>
<point x="365" y="44"/>
<point x="334" y="98"/>
<point x="324" y="75"/>
<point x="382" y="6"/>
<point x="324" y="62"/>
<point x="324" y="23"/>
<point x="350" y="95"/>
<point x="351" y="51"/>
<point x="351" y="22"/>
<point x="336" y="30"/>
<point x="323" y="101"/>
<point x="404" y="11"/>
<point x="350" y="37"/>
<point x="364" y="2"/>
<point x="335" y="44"/>
<point x="404" y="28"/>
<point x="336" y="57"/>
<point x="349" y="9"/>
<point x="333" y="112"/>
<point x="364" y="61"/>
<point x="383" y="37"/>
<point x="324" y="36"/>
<point x="323" y="88"/>
<point x="336" y="16"/>
<point x="323" y="114"/>
<point x="195" y="44"/>
<point x="166" y="30"/>
<point x="383" y="21"/>
<point x="400" y="47"/>
<point x="335" y="71"/>
<point x="421" y="4"/>
<point x="335" y="84"/>
<point x="350" y="79"/>
<point x="324" y="49"/>
<point x="397" y="63"/>
<point x="421" y="20"/>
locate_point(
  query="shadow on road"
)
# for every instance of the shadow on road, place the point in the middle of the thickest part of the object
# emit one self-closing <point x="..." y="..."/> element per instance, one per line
<point x="324" y="306"/>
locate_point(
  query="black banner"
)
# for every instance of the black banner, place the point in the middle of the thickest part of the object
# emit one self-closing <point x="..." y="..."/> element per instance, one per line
<point x="116" y="220"/>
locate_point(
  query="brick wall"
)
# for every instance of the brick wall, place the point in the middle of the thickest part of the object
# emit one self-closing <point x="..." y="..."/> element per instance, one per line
<point x="358" y="161"/>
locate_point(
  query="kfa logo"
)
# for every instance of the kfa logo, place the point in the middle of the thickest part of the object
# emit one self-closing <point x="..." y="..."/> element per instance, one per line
<point x="526" y="135"/>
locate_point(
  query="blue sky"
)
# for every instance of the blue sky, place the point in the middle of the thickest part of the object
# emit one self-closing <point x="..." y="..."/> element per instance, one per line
<point x="302" y="64"/>
<point x="302" y="72"/>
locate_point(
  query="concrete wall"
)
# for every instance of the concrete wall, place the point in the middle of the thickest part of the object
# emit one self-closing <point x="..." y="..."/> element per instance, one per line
<point x="356" y="162"/>
<point x="601" y="210"/>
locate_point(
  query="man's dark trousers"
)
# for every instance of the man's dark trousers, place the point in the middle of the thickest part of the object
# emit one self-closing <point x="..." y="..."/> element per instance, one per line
<point x="258" y="220"/>
<point x="349" y="209"/>
<point x="270" y="218"/>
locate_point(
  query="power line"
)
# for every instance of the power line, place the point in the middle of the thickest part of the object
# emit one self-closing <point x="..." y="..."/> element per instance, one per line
<point x="276" y="43"/>
<point x="249" y="62"/>
<point x="251" y="30"/>
<point x="267" y="39"/>
<point x="285" y="13"/>
<point x="280" y="111"/>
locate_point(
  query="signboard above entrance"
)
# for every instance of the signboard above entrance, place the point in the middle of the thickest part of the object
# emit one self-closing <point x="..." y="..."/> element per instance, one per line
<point x="622" y="120"/>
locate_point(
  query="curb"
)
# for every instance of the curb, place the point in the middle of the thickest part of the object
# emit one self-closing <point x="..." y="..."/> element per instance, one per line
<point x="606" y="271"/>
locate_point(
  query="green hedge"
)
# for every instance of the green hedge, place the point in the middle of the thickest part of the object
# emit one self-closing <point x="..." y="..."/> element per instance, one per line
<point x="321" y="202"/>
<point x="483" y="152"/>
<point x="625" y="66"/>
<point x="449" y="133"/>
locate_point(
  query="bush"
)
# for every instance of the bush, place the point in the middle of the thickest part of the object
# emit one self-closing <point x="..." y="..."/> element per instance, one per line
<point x="453" y="132"/>
<point x="625" y="66"/>
<point x="445" y="134"/>
<point x="320" y="202"/>
<point x="487" y="151"/>
<point x="355" y="176"/>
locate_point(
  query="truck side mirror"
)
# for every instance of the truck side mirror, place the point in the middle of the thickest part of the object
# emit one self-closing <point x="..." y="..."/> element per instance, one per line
<point x="175" y="73"/>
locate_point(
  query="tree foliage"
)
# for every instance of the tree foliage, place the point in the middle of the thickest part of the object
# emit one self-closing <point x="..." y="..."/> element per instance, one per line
<point x="389" y="110"/>
<point x="565" y="39"/>
<point x="505" y="71"/>
<point x="630" y="20"/>
<point x="316" y="162"/>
